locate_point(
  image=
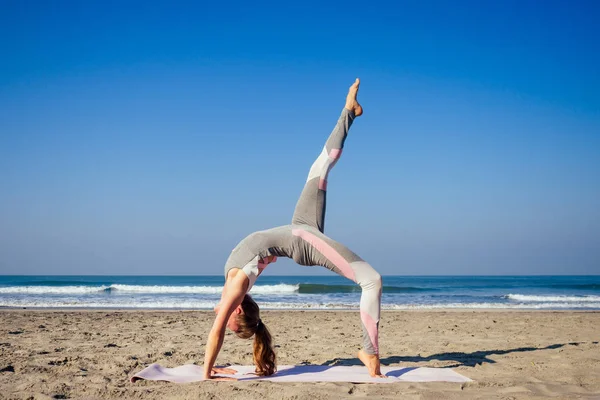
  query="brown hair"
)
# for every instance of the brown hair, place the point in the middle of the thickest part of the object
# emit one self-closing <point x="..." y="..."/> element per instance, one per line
<point x="250" y="324"/>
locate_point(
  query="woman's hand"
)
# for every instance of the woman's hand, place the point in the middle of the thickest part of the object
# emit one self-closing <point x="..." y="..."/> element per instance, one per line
<point x="227" y="371"/>
<point x="218" y="370"/>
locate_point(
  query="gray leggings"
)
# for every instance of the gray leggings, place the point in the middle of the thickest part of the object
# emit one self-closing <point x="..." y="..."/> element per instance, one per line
<point x="308" y="223"/>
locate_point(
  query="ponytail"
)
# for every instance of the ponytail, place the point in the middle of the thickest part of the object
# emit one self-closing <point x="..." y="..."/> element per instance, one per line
<point x="264" y="355"/>
<point x="250" y="324"/>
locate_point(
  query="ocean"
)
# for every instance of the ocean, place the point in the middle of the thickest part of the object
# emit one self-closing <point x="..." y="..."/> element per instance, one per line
<point x="302" y="292"/>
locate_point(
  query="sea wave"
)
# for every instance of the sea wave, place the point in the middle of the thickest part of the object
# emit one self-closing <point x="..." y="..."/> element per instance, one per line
<point x="129" y="304"/>
<point x="558" y="298"/>
<point x="313" y="288"/>
<point x="148" y="289"/>
<point x="53" y="289"/>
<point x="302" y="288"/>
<point x="258" y="289"/>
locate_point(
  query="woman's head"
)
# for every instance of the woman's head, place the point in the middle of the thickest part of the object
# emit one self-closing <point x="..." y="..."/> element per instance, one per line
<point x="249" y="324"/>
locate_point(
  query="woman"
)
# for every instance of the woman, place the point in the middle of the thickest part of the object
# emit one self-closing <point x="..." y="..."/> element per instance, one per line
<point x="304" y="242"/>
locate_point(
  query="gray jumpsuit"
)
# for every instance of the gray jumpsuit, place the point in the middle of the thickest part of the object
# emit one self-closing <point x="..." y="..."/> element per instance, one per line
<point x="304" y="240"/>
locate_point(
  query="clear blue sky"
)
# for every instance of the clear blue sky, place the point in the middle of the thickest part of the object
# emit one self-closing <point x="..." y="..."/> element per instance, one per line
<point x="150" y="137"/>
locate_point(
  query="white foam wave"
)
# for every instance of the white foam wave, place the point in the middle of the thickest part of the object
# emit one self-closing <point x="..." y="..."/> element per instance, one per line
<point x="52" y="289"/>
<point x="258" y="289"/>
<point x="157" y="289"/>
<point x="66" y="303"/>
<point x="281" y="288"/>
<point x="166" y="289"/>
<point x="523" y="297"/>
<point x="502" y="306"/>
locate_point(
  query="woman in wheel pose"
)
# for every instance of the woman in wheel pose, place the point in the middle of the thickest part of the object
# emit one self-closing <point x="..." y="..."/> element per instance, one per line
<point x="303" y="241"/>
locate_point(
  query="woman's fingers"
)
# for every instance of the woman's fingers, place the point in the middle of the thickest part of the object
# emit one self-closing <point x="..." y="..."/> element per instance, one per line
<point x="229" y="371"/>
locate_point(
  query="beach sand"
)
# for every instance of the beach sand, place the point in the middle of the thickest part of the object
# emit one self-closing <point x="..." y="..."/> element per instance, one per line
<point x="508" y="354"/>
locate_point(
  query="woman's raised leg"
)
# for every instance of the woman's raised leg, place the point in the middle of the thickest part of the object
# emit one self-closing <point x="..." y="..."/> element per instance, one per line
<point x="310" y="209"/>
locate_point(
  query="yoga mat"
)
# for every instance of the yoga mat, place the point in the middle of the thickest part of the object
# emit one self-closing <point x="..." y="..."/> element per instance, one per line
<point x="305" y="373"/>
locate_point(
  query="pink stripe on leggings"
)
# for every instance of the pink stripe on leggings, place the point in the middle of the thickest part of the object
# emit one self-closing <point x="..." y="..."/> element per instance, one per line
<point x="323" y="184"/>
<point x="335" y="153"/>
<point x="371" y="326"/>
<point x="328" y="251"/>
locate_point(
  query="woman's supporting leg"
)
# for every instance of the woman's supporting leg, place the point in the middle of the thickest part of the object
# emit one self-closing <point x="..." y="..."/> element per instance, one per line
<point x="310" y="209"/>
<point x="370" y="303"/>
<point x="341" y="260"/>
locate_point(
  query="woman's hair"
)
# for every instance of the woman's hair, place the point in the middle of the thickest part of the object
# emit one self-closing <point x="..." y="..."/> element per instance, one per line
<point x="250" y="324"/>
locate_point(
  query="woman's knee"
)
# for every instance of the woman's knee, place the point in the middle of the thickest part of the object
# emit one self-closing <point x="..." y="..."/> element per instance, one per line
<point x="370" y="278"/>
<point x="377" y="280"/>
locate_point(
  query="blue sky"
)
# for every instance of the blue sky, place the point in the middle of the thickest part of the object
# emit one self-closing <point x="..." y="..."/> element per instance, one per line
<point x="149" y="137"/>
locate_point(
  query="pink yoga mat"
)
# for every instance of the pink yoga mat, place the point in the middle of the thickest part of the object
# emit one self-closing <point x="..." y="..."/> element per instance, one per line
<point x="306" y="373"/>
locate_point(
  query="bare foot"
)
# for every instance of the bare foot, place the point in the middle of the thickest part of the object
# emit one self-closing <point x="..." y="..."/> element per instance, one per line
<point x="351" y="102"/>
<point x="371" y="361"/>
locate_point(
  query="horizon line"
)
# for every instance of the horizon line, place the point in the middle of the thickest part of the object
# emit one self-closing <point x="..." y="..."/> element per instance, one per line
<point x="319" y="275"/>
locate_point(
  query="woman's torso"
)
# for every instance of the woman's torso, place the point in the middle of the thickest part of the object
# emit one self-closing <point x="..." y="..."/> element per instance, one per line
<point x="280" y="242"/>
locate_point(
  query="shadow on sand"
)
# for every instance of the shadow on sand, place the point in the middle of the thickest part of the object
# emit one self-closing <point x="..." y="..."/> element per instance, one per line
<point x="461" y="358"/>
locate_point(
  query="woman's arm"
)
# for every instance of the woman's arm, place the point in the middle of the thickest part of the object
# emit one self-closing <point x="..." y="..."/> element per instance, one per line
<point x="231" y="299"/>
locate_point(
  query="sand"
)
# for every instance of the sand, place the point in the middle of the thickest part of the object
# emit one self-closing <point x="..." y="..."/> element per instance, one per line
<point x="508" y="354"/>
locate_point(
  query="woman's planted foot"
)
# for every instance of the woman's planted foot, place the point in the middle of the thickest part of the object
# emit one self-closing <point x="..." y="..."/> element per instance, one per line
<point x="372" y="363"/>
<point x="351" y="102"/>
